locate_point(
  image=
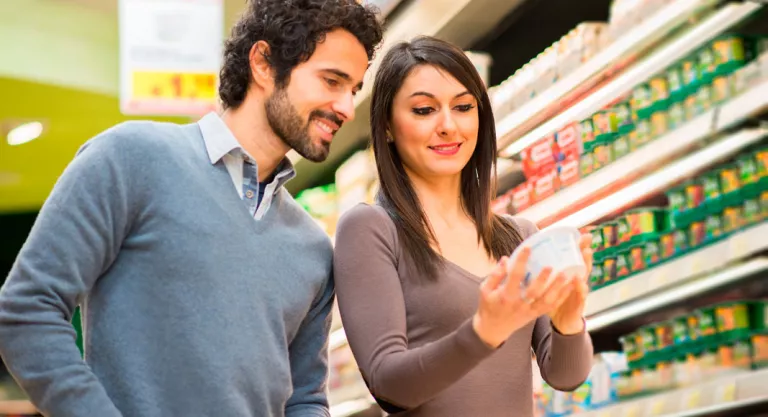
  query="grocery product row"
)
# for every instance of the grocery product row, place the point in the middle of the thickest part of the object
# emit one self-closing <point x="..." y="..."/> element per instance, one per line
<point x="703" y="211"/>
<point x="654" y="115"/>
<point x="714" y="343"/>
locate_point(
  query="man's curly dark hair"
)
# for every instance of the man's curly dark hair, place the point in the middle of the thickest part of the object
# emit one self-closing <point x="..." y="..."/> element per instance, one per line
<point x="292" y="28"/>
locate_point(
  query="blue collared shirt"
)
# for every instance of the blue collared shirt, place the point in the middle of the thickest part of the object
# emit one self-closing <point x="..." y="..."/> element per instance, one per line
<point x="222" y="145"/>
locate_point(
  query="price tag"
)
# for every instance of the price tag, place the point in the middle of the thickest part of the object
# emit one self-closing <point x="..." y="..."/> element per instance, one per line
<point x="697" y="265"/>
<point x="659" y="278"/>
<point x="624" y="293"/>
<point x="632" y="410"/>
<point x="692" y="399"/>
<point x="604" y="414"/>
<point x="657" y="408"/>
<point x="174" y="85"/>
<point x="739" y="246"/>
<point x="726" y="392"/>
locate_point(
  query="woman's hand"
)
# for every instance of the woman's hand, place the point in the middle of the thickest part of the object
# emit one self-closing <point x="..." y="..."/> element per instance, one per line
<point x="567" y="317"/>
<point x="503" y="308"/>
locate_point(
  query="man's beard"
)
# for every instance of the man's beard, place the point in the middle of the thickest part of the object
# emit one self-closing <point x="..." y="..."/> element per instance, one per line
<point x="288" y="125"/>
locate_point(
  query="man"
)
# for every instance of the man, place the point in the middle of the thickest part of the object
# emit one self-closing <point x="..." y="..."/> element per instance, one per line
<point x="205" y="289"/>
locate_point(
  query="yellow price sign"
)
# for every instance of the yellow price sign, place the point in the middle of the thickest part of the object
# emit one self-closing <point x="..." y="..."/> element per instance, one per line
<point x="692" y="400"/>
<point x="727" y="392"/>
<point x="739" y="246"/>
<point x="623" y="293"/>
<point x="174" y="85"/>
<point x="657" y="408"/>
<point x="632" y="411"/>
<point x="659" y="278"/>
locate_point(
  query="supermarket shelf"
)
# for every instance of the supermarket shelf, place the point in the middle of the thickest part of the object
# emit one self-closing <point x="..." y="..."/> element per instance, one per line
<point x="462" y="22"/>
<point x="649" y="157"/>
<point x="634" y="42"/>
<point x="664" y="177"/>
<point x="700" y="262"/>
<point x="727" y="395"/>
<point x="658" y="60"/>
<point x="635" y="307"/>
<point x="17" y="407"/>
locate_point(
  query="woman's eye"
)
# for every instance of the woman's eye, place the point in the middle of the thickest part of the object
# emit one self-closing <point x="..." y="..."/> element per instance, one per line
<point x="423" y="111"/>
<point x="331" y="82"/>
<point x="465" y="107"/>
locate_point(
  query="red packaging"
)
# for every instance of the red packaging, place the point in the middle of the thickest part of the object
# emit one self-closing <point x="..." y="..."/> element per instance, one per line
<point x="545" y="185"/>
<point x="568" y="143"/>
<point x="522" y="196"/>
<point x="568" y="171"/>
<point x="539" y="157"/>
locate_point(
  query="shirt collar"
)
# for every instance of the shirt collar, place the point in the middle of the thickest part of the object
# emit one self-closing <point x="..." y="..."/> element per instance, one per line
<point x="220" y="141"/>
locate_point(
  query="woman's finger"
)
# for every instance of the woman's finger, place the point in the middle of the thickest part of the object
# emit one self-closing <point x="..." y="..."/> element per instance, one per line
<point x="553" y="291"/>
<point x="585" y="241"/>
<point x="494" y="279"/>
<point x="536" y="288"/>
<point x="516" y="272"/>
<point x="588" y="255"/>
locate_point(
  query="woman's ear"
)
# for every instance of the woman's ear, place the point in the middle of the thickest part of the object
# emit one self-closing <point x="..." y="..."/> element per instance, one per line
<point x="261" y="71"/>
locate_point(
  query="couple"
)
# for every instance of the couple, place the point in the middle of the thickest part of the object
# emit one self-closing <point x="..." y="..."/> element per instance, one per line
<point x="199" y="299"/>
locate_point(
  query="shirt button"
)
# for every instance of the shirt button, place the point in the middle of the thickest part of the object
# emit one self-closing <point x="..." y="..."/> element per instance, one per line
<point x="249" y="194"/>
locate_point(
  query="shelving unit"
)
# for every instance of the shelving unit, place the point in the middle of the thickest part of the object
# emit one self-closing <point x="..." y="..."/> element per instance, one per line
<point x="736" y="393"/>
<point x="633" y="43"/>
<point x="675" y="31"/>
<point x="648" y="158"/>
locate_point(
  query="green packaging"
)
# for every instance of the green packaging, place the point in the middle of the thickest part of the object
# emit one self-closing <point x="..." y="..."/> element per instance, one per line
<point x="677" y="116"/>
<point x="621" y="147"/>
<point x="714" y="228"/>
<point x="659" y="124"/>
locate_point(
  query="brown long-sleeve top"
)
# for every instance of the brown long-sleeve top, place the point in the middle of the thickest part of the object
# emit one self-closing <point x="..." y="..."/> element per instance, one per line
<point x="413" y="338"/>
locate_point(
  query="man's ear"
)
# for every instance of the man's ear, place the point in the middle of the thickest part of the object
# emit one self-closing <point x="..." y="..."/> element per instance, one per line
<point x="261" y="71"/>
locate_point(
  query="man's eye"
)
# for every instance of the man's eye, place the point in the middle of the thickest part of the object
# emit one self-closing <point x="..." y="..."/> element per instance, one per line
<point x="465" y="107"/>
<point x="422" y="111"/>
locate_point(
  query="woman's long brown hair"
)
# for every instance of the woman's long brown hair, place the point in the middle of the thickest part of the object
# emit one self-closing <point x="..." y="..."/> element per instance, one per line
<point x="498" y="235"/>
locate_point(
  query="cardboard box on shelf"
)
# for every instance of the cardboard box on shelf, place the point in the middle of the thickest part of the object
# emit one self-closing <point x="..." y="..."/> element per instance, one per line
<point x="546" y="184"/>
<point x="522" y="196"/>
<point x="568" y="171"/>
<point x="568" y="142"/>
<point x="539" y="157"/>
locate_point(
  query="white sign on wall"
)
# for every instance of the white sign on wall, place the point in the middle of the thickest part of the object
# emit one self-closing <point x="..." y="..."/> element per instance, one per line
<point x="170" y="56"/>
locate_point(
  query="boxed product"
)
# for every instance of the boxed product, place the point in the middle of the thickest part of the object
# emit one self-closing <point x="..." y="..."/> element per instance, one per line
<point x="522" y="196"/>
<point x="539" y="157"/>
<point x="545" y="184"/>
<point x="579" y="45"/>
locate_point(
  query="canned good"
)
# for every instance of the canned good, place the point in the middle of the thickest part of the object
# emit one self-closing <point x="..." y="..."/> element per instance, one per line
<point x="760" y="349"/>
<point x="690" y="104"/>
<point x="751" y="212"/>
<point x="602" y="153"/>
<point x="704" y="98"/>
<point x="631" y="347"/>
<point x="675" y="82"/>
<point x="697" y="234"/>
<point x="748" y="176"/>
<point x="586" y="131"/>
<point x="694" y="195"/>
<point x="623" y="232"/>
<point x="729" y="53"/>
<point x="609" y="269"/>
<point x="665" y="337"/>
<point x="723" y="88"/>
<point x="651" y="253"/>
<point x="714" y="228"/>
<point x="637" y="259"/>
<point x="622" y="264"/>
<point x="605" y="123"/>
<point x="609" y="234"/>
<point x="646" y="222"/>
<point x="587" y="161"/>
<point x="597" y="239"/>
<point x="667" y="246"/>
<point x="729" y="179"/>
<point x="677" y="116"/>
<point x="689" y="70"/>
<point x="596" y="277"/>
<point x="659" y="124"/>
<point x="680" y="333"/>
<point x="659" y="91"/>
<point x="624" y="117"/>
<point x="707" y="323"/>
<point x="706" y="63"/>
<point x="641" y="102"/>
<point x="621" y="147"/>
<point x="732" y="219"/>
<point x="732" y="317"/>
<point x="643" y="134"/>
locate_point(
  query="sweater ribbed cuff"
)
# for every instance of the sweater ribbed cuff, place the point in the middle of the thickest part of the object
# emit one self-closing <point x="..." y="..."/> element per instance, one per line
<point x="471" y="343"/>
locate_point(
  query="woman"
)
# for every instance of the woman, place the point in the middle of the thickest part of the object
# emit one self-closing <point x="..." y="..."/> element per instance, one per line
<point x="431" y="336"/>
